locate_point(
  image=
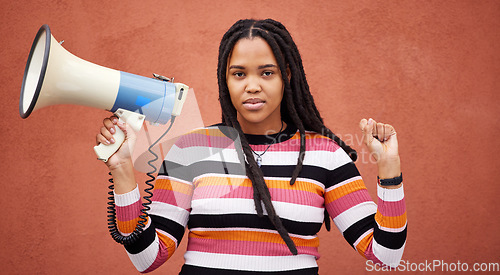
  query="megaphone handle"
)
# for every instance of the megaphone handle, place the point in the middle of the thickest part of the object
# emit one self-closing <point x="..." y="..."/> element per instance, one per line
<point x="135" y="120"/>
<point x="105" y="151"/>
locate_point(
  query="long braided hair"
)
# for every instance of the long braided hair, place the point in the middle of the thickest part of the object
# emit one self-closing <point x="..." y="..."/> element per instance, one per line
<point x="297" y="107"/>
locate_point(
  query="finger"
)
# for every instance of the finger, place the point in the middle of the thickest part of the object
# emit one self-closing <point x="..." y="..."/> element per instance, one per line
<point x="101" y="139"/>
<point x="380" y="131"/>
<point x="373" y="128"/>
<point x="362" y="124"/>
<point x="107" y="136"/>
<point x="389" y="131"/>
<point x="109" y="123"/>
<point x="123" y="126"/>
<point x="368" y="131"/>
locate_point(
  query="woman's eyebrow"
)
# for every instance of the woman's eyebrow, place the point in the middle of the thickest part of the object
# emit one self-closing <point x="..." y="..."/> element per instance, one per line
<point x="239" y="67"/>
<point x="267" y="66"/>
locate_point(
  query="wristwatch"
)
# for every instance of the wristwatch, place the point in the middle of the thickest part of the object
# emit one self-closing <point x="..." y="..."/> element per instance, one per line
<point x="390" y="182"/>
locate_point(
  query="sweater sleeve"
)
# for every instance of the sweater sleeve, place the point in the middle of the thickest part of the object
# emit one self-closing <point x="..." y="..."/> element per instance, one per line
<point x="376" y="231"/>
<point x="168" y="217"/>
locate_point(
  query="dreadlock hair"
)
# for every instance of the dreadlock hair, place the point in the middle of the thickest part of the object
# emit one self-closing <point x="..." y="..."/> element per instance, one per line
<point x="297" y="107"/>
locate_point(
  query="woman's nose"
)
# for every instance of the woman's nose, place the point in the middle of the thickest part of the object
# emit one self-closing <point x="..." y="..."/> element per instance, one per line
<point x="253" y="85"/>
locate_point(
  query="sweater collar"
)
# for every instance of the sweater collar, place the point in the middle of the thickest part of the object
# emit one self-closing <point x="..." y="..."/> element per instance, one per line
<point x="285" y="135"/>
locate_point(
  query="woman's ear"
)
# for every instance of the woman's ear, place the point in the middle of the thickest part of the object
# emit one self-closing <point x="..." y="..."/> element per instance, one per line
<point x="288" y="73"/>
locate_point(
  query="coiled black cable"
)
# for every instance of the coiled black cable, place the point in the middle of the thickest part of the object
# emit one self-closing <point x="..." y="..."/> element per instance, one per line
<point x="112" y="226"/>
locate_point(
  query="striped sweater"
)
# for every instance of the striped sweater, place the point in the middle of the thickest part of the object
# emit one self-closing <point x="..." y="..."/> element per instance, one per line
<point x="202" y="185"/>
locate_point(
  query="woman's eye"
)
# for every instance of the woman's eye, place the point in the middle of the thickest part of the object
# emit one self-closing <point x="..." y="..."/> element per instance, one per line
<point x="238" y="74"/>
<point x="267" y="73"/>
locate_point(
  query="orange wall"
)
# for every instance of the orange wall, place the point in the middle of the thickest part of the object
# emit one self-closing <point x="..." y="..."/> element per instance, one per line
<point x="431" y="68"/>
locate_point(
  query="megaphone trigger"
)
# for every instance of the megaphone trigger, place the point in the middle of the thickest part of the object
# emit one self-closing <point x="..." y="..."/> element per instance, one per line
<point x="135" y="120"/>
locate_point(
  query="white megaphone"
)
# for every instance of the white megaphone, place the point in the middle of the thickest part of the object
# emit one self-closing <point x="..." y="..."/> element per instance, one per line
<point x="55" y="76"/>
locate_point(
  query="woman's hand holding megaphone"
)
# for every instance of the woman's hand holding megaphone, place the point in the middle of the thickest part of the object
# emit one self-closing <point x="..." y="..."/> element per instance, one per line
<point x="120" y="163"/>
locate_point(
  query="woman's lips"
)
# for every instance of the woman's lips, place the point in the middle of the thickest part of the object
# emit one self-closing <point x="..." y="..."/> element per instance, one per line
<point x="253" y="104"/>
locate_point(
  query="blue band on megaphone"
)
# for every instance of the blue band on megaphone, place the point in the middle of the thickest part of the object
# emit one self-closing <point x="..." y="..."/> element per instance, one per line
<point x="151" y="97"/>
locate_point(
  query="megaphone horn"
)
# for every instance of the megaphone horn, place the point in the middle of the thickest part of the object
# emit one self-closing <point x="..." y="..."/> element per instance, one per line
<point x="55" y="76"/>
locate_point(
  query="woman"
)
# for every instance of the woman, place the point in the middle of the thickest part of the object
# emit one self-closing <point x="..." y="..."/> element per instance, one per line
<point x="297" y="174"/>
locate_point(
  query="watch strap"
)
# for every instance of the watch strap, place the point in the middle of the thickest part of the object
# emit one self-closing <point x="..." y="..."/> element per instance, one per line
<point x="391" y="182"/>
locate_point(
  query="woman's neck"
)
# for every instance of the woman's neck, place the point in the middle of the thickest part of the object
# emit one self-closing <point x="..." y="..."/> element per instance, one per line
<point x="262" y="128"/>
<point x="287" y="133"/>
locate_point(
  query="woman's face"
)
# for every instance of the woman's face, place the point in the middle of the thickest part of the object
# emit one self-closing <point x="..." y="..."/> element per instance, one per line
<point x="255" y="86"/>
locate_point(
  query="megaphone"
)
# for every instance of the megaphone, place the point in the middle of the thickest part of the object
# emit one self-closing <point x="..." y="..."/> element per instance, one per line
<point x="55" y="76"/>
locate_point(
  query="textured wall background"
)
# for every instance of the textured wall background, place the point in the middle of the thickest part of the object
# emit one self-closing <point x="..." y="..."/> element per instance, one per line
<point x="431" y="68"/>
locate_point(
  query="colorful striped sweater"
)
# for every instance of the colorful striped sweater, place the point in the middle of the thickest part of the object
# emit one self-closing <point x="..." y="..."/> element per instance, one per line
<point x="202" y="185"/>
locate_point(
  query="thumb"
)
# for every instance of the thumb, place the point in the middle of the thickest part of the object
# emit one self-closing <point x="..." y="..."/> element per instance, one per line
<point x="130" y="136"/>
<point x="127" y="129"/>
